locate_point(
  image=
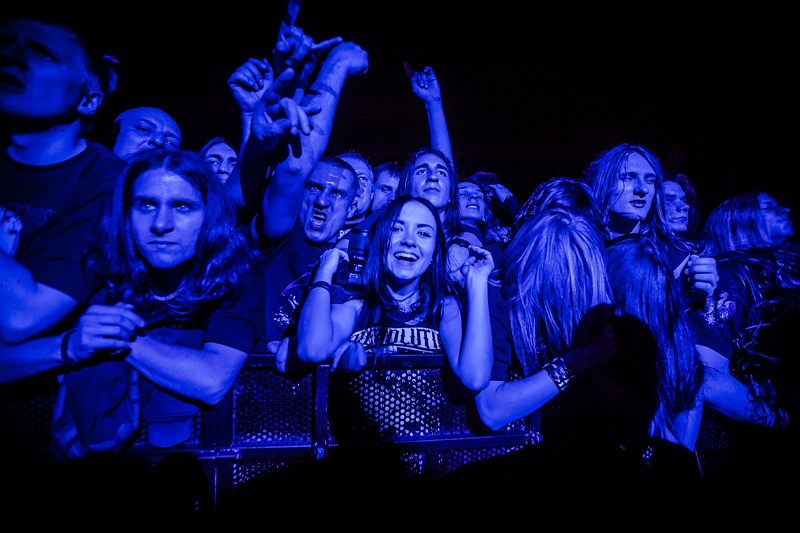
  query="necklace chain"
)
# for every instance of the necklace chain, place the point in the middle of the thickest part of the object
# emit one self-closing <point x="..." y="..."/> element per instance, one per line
<point x="400" y="303"/>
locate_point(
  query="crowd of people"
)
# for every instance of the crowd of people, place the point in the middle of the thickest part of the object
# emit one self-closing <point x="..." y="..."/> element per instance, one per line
<point x="137" y="276"/>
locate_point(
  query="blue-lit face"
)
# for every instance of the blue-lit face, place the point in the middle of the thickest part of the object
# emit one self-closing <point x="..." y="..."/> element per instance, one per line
<point x="471" y="202"/>
<point x="144" y="128"/>
<point x="777" y="219"/>
<point x="385" y="189"/>
<point x="413" y="244"/>
<point x="430" y="179"/>
<point x="675" y="207"/>
<point x="43" y="71"/>
<point x="222" y="158"/>
<point x="327" y="202"/>
<point x="634" y="192"/>
<point x="167" y="214"/>
<point x="364" y="195"/>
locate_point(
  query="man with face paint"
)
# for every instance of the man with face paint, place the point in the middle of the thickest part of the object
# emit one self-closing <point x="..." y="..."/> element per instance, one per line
<point x="308" y="197"/>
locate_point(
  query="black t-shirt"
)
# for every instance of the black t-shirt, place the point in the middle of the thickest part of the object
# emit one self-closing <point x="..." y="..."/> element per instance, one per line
<point x="288" y="268"/>
<point x="59" y="206"/>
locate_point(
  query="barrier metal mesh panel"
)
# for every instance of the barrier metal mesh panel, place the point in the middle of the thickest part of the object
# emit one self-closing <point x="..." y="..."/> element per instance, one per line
<point x="272" y="408"/>
<point x="403" y="406"/>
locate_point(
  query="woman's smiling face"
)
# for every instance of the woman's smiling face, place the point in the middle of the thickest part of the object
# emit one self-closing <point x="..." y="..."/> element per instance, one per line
<point x="413" y="242"/>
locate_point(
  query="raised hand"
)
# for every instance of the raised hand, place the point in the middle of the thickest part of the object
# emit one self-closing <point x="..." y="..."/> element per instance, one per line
<point x="296" y="50"/>
<point x="275" y="115"/>
<point x="424" y="84"/>
<point x="500" y="191"/>
<point x="480" y="263"/>
<point x="103" y="327"/>
<point x="249" y="82"/>
<point x="328" y="263"/>
<point x="701" y="272"/>
<point x="353" y="56"/>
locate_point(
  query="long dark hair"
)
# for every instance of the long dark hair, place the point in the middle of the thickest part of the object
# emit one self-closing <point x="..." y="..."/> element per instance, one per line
<point x="645" y="288"/>
<point x="452" y="218"/>
<point x="434" y="284"/>
<point x="222" y="257"/>
<point x="602" y="175"/>
<point x="735" y="224"/>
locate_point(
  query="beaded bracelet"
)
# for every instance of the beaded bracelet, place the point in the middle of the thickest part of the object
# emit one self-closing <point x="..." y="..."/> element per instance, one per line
<point x="322" y="284"/>
<point x="559" y="372"/>
<point x="69" y="361"/>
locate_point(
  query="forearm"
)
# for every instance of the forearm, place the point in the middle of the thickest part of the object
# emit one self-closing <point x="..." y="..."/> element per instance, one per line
<point x="726" y="394"/>
<point x="686" y="426"/>
<point x="503" y="402"/>
<point x="27" y="308"/>
<point x="315" y="331"/>
<point x="30" y="358"/>
<point x="234" y="185"/>
<point x="475" y="359"/>
<point x="249" y="178"/>
<point x="282" y="198"/>
<point x="324" y="93"/>
<point x="440" y="136"/>
<point x="246" y="119"/>
<point x="205" y="375"/>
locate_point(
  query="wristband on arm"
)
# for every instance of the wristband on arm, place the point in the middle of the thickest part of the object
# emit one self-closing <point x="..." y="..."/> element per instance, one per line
<point x="559" y="372"/>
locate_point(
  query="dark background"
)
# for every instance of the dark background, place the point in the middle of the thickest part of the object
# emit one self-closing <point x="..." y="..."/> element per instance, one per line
<point x="530" y="91"/>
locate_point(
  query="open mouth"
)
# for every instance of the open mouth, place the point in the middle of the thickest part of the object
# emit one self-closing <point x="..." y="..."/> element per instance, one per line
<point x="638" y="203"/>
<point x="406" y="256"/>
<point x="318" y="219"/>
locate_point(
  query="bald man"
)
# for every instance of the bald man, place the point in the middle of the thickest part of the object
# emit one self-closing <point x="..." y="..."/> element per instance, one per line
<point x="143" y="128"/>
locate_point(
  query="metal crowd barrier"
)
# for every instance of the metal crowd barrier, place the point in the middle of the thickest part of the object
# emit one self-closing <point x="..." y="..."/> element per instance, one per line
<point x="408" y="405"/>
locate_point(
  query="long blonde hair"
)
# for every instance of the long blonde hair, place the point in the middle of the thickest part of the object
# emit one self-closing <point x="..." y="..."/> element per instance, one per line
<point x="554" y="273"/>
